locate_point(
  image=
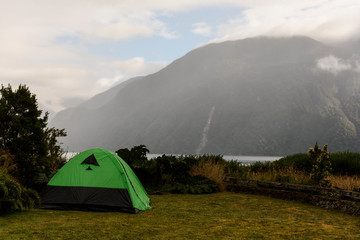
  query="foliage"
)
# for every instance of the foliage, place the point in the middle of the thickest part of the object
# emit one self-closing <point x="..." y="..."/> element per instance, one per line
<point x="321" y="166"/>
<point x="260" y="167"/>
<point x="14" y="197"/>
<point x="176" y="172"/>
<point x="169" y="173"/>
<point x="299" y="161"/>
<point x="166" y="172"/>
<point x="193" y="184"/>
<point x="210" y="169"/>
<point x="7" y="163"/>
<point x="144" y="169"/>
<point x="23" y="134"/>
<point x="235" y="169"/>
<point x="342" y="163"/>
<point x="55" y="154"/>
<point x="296" y="169"/>
<point x="170" y="168"/>
<point x="345" y="163"/>
<point x="135" y="157"/>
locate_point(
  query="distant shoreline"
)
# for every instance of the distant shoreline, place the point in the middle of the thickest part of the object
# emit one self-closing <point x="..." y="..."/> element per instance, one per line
<point x="245" y="159"/>
<point x="240" y="158"/>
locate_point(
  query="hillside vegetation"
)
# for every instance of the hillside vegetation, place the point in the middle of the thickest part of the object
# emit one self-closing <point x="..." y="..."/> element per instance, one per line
<point x="257" y="96"/>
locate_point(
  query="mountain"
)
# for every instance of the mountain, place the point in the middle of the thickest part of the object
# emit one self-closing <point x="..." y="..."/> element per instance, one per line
<point x="257" y="96"/>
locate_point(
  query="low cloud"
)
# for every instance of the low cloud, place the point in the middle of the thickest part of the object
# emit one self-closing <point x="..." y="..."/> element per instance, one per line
<point x="202" y="29"/>
<point x="45" y="44"/>
<point x="108" y="82"/>
<point x="327" y="21"/>
<point x="336" y="65"/>
<point x="54" y="82"/>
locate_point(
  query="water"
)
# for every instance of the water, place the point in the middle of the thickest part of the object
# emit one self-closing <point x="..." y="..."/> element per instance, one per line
<point x="246" y="160"/>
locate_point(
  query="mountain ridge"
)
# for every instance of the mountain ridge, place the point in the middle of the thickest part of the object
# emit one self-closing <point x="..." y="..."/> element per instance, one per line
<point x="257" y="96"/>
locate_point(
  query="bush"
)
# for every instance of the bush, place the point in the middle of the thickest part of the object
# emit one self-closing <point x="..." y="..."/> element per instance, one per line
<point x="193" y="185"/>
<point x="170" y="168"/>
<point x="135" y="157"/>
<point x="342" y="163"/>
<point x="300" y="162"/>
<point x="211" y="170"/>
<point x="345" y="163"/>
<point x="235" y="168"/>
<point x="321" y="165"/>
<point x="171" y="173"/>
<point x="7" y="163"/>
<point x="14" y="197"/>
<point x="261" y="167"/>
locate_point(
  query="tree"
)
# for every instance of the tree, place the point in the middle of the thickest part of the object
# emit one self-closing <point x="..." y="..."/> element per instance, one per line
<point x="135" y="157"/>
<point x="55" y="153"/>
<point x="24" y="134"/>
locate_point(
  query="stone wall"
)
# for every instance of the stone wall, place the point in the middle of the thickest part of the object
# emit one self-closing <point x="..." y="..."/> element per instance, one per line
<point x="328" y="198"/>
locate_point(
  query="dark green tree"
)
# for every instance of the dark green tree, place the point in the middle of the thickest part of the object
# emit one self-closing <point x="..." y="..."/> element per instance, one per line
<point x="135" y="157"/>
<point x="55" y="154"/>
<point x="24" y="134"/>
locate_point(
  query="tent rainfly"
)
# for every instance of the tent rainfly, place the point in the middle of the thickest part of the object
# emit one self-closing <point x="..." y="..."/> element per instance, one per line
<point x="96" y="180"/>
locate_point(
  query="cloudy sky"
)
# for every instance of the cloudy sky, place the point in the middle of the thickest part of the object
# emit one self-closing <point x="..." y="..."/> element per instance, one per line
<point x="69" y="50"/>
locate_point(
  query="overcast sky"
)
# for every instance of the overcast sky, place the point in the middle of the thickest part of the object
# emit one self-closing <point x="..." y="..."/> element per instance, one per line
<point x="70" y="50"/>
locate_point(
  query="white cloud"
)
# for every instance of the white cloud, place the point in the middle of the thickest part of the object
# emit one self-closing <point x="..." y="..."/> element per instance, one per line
<point x="31" y="52"/>
<point x="108" y="82"/>
<point x="54" y="82"/>
<point x="355" y="60"/>
<point x="336" y="65"/>
<point x="202" y="29"/>
<point x="330" y="21"/>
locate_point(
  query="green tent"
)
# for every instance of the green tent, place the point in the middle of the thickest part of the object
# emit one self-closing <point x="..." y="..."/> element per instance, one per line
<point x="98" y="180"/>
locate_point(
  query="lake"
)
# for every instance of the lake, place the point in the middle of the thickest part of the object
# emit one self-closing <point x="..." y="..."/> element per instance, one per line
<point x="246" y="160"/>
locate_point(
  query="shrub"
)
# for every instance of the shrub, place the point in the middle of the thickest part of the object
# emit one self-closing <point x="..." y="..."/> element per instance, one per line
<point x="299" y="161"/>
<point x="345" y="163"/>
<point x="261" y="167"/>
<point x="7" y="163"/>
<point x="135" y="157"/>
<point x="321" y="165"/>
<point x="235" y="168"/>
<point x="169" y="168"/>
<point x="211" y="170"/>
<point x="171" y="173"/>
<point x="193" y="185"/>
<point x="14" y="197"/>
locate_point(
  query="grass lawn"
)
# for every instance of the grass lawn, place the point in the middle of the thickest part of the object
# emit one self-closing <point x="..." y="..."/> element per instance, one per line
<point x="214" y="216"/>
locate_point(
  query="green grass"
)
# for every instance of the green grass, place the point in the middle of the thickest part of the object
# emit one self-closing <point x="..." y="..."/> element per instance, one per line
<point x="214" y="216"/>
